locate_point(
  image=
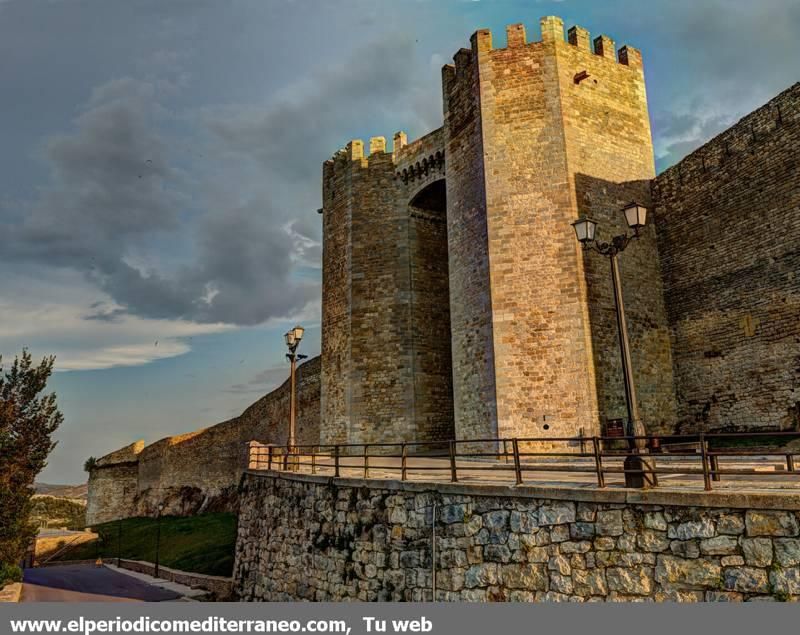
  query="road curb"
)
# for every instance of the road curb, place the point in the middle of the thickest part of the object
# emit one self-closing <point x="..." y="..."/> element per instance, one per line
<point x="186" y="592"/>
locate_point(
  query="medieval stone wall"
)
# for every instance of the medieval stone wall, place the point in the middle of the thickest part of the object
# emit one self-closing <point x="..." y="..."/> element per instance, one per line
<point x="368" y="262"/>
<point x="542" y="367"/>
<point x="610" y="163"/>
<point x="385" y="285"/>
<point x="336" y="293"/>
<point x="529" y="148"/>
<point x="113" y="484"/>
<point x="307" y="538"/>
<point x="200" y="471"/>
<point x="380" y="320"/>
<point x="728" y="225"/>
<point x="474" y="391"/>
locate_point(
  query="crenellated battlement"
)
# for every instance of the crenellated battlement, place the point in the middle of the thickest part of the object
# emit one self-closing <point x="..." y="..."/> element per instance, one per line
<point x="406" y="157"/>
<point x="354" y="151"/>
<point x="579" y="37"/>
<point x="421" y="158"/>
<point x="341" y="166"/>
<point x="552" y="30"/>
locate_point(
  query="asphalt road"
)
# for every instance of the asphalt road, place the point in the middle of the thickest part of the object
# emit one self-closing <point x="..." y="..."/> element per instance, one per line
<point x="87" y="583"/>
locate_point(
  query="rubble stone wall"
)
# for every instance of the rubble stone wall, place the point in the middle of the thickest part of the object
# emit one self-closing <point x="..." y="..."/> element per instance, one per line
<point x="312" y="538"/>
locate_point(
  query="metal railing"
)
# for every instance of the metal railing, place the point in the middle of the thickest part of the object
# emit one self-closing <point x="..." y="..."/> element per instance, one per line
<point x="694" y="456"/>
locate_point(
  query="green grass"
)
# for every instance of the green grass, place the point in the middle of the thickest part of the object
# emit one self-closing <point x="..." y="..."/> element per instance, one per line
<point x="778" y="442"/>
<point x="201" y="544"/>
<point x="755" y="442"/>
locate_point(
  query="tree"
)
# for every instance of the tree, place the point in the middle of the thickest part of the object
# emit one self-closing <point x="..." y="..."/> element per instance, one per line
<point x="27" y="422"/>
<point x="90" y="464"/>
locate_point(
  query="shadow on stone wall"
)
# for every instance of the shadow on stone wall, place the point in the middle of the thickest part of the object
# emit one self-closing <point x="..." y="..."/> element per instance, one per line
<point x="643" y="296"/>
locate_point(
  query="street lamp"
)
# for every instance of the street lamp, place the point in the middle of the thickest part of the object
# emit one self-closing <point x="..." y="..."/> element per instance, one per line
<point x="637" y="471"/>
<point x="158" y="535"/>
<point x="293" y="338"/>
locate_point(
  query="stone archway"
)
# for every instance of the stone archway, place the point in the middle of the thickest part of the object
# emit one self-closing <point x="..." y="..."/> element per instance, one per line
<point x="429" y="312"/>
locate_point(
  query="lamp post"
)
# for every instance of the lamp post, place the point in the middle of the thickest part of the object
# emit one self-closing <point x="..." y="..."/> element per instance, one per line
<point x="637" y="471"/>
<point x="158" y="535"/>
<point x="293" y="338"/>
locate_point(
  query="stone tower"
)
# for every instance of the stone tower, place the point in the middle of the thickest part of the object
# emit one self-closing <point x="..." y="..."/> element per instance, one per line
<point x="387" y="374"/>
<point x="456" y="299"/>
<point x="536" y="134"/>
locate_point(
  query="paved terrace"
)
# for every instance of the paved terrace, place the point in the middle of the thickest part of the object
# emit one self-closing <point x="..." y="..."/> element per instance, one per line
<point x="754" y="473"/>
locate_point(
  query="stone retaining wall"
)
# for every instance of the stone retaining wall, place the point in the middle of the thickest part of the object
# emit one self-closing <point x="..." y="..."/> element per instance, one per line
<point x="219" y="586"/>
<point x="312" y="538"/>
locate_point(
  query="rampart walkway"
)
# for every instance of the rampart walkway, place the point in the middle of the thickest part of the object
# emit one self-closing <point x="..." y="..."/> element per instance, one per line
<point x="696" y="468"/>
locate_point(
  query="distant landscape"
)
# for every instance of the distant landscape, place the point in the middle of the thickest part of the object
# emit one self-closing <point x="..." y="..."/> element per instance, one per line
<point x="63" y="491"/>
<point x="59" y="506"/>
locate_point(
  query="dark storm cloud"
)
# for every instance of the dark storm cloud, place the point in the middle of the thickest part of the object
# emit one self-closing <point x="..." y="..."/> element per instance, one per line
<point x="241" y="274"/>
<point x="106" y="184"/>
<point x="306" y="122"/>
<point x="115" y="188"/>
<point x="718" y="61"/>
<point x="112" y="188"/>
<point x="684" y="133"/>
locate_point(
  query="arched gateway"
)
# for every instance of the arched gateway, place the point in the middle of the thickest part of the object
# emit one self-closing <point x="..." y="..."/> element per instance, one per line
<point x="386" y="303"/>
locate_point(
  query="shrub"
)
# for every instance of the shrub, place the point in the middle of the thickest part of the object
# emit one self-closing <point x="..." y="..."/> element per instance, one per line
<point x="9" y="573"/>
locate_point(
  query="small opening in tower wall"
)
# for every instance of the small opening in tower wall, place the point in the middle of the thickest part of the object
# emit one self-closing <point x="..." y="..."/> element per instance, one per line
<point x="546" y="426"/>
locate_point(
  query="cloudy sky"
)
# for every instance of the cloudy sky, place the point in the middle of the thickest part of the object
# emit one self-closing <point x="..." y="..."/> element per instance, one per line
<point x="160" y="170"/>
